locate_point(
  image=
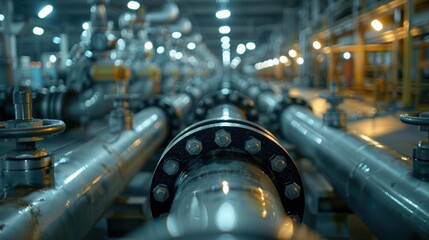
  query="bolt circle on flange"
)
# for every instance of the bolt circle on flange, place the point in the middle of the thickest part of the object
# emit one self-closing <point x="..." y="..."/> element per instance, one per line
<point x="252" y="145"/>
<point x="170" y="166"/>
<point x="194" y="146"/>
<point x="222" y="138"/>
<point x="292" y="191"/>
<point x="161" y="193"/>
<point x="278" y="163"/>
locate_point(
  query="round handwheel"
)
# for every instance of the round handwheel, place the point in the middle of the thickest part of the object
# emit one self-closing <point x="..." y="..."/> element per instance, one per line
<point x="419" y="119"/>
<point x="9" y="129"/>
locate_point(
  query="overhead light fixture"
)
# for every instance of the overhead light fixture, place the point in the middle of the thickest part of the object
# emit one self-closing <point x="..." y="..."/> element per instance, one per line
<point x="222" y="14"/>
<point x="241" y="48"/>
<point x="283" y="59"/>
<point x="1" y="17"/>
<point x="347" y="55"/>
<point x="133" y="5"/>
<point x="160" y="50"/>
<point x="148" y="45"/>
<point x="191" y="46"/>
<point x="45" y="11"/>
<point x="377" y="25"/>
<point x="226" y="45"/>
<point x="85" y="25"/>
<point x="250" y="46"/>
<point x="178" y="55"/>
<point x="317" y="45"/>
<point x="52" y="58"/>
<point x="176" y="35"/>
<point x="300" y="60"/>
<point x="38" y="31"/>
<point x="56" y="40"/>
<point x="225" y="39"/>
<point x="292" y="53"/>
<point x="276" y="61"/>
<point x="224" y="29"/>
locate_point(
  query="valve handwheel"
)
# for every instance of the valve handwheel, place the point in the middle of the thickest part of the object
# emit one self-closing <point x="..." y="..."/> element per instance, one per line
<point x="24" y="126"/>
<point x="421" y="152"/>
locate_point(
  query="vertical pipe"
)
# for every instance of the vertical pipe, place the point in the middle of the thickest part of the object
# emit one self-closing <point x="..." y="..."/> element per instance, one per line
<point x="408" y="53"/>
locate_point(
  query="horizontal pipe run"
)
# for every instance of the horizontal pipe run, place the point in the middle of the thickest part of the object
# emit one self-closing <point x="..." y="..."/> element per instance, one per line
<point x="225" y="111"/>
<point x="375" y="182"/>
<point x="87" y="178"/>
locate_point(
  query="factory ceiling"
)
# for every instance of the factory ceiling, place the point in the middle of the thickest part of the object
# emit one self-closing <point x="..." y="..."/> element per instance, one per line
<point x="250" y="21"/>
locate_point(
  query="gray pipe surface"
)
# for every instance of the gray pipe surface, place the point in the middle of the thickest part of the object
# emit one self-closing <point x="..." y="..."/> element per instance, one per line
<point x="376" y="183"/>
<point x="169" y="13"/>
<point x="87" y="180"/>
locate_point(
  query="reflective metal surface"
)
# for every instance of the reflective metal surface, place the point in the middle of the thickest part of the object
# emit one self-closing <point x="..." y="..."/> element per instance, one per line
<point x="376" y="183"/>
<point x="88" y="177"/>
<point x="225" y="111"/>
<point x="228" y="196"/>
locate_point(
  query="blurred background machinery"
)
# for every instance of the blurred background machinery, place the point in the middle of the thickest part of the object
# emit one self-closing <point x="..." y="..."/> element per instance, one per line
<point x="196" y="119"/>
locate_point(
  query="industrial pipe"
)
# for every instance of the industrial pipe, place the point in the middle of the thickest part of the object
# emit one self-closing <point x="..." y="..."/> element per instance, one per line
<point x="87" y="178"/>
<point x="376" y="183"/>
<point x="169" y="13"/>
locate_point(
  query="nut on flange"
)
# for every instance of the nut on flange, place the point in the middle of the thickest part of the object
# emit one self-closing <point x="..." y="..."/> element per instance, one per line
<point x="292" y="191"/>
<point x="253" y="145"/>
<point x="222" y="138"/>
<point x="161" y="193"/>
<point x="194" y="146"/>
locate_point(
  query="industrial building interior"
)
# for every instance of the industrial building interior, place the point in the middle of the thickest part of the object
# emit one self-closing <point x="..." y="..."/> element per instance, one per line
<point x="316" y="110"/>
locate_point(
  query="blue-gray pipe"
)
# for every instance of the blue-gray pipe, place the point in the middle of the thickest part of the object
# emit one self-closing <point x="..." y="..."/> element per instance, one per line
<point x="375" y="182"/>
<point x="87" y="179"/>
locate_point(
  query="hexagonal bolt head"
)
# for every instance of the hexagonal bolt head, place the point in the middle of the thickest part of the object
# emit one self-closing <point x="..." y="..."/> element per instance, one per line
<point x="253" y="145"/>
<point x="194" y="146"/>
<point x="278" y="163"/>
<point x="161" y="193"/>
<point x="292" y="191"/>
<point x="170" y="166"/>
<point x="222" y="138"/>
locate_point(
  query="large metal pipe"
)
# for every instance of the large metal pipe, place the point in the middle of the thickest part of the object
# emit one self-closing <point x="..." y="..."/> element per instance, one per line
<point x="376" y="183"/>
<point x="226" y="195"/>
<point x="169" y="13"/>
<point x="88" y="177"/>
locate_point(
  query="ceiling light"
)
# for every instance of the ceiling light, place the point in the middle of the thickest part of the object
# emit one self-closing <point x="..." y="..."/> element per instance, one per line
<point x="225" y="39"/>
<point x="226" y="45"/>
<point x="178" y="55"/>
<point x="148" y="45"/>
<point x="176" y="35"/>
<point x="317" y="45"/>
<point x="222" y="14"/>
<point x="160" y="50"/>
<point x="283" y="59"/>
<point x="241" y="48"/>
<point x="347" y="55"/>
<point x="251" y="45"/>
<point x="45" y="11"/>
<point x="1" y="17"/>
<point x="224" y="29"/>
<point x="38" y="30"/>
<point x="276" y="61"/>
<point x="292" y="53"/>
<point x="52" y="58"/>
<point x="377" y="25"/>
<point x="85" y="25"/>
<point x="56" y="40"/>
<point x="191" y="46"/>
<point x="300" y="60"/>
<point x="133" y="5"/>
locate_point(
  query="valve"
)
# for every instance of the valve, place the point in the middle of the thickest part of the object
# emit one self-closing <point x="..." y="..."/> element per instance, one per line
<point x="121" y="118"/>
<point x="421" y="152"/>
<point x="334" y="117"/>
<point x="27" y="164"/>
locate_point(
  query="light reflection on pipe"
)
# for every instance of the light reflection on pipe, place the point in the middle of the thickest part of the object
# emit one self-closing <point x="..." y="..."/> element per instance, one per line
<point x="75" y="174"/>
<point x="225" y="187"/>
<point x="226" y="217"/>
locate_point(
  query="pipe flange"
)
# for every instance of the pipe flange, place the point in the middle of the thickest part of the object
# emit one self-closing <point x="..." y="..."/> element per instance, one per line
<point x="172" y="115"/>
<point x="282" y="105"/>
<point x="227" y="96"/>
<point x="214" y="139"/>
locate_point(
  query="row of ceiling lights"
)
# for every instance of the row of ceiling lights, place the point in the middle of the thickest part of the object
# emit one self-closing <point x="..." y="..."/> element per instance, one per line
<point x="375" y="24"/>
